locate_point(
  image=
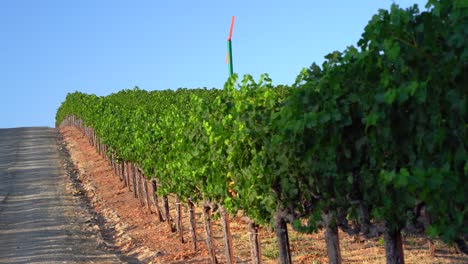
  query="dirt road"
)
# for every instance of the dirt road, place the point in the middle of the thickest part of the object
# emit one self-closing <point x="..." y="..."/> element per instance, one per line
<point x="40" y="221"/>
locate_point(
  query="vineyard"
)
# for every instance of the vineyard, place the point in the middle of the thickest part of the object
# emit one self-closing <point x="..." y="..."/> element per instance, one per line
<point x="373" y="142"/>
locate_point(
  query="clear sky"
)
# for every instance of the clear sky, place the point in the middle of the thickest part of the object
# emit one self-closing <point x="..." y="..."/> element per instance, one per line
<point x="49" y="48"/>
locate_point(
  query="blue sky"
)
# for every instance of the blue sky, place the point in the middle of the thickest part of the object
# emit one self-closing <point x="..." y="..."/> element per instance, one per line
<point x="49" y="48"/>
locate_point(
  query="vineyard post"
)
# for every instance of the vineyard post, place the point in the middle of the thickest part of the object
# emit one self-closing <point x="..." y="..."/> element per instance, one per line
<point x="127" y="179"/>
<point x="145" y="187"/>
<point x="394" y="246"/>
<point x="134" y="181"/>
<point x="140" y="188"/>
<point x="332" y="238"/>
<point x="179" y="225"/>
<point x="193" y="229"/>
<point x="93" y="136"/>
<point x="227" y="235"/>
<point x="124" y="166"/>
<point x="117" y="168"/>
<point x="255" y="246"/>
<point x="113" y="163"/>
<point x="209" y="233"/>
<point x="166" y="212"/>
<point x="122" y="172"/>
<point x="281" y="229"/>
<point x="155" y="200"/>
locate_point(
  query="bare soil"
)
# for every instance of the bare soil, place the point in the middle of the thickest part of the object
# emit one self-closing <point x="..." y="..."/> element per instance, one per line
<point x="41" y="220"/>
<point x="137" y="233"/>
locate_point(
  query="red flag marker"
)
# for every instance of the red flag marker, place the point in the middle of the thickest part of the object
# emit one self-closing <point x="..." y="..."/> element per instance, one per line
<point x="232" y="27"/>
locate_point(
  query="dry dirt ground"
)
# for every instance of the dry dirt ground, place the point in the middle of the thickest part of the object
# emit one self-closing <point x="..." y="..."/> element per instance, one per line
<point x="136" y="233"/>
<point x="41" y="221"/>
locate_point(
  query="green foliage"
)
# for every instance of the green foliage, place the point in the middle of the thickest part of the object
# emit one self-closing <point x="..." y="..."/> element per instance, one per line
<point x="383" y="123"/>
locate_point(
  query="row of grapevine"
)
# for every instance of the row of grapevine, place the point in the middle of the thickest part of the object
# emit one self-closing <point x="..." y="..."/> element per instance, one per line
<point x="371" y="142"/>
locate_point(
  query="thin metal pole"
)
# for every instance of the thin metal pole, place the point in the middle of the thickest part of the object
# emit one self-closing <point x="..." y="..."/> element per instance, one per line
<point x="230" y="57"/>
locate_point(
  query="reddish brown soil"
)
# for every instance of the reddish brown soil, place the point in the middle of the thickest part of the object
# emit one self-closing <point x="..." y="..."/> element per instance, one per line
<point x="142" y="227"/>
<point x="136" y="232"/>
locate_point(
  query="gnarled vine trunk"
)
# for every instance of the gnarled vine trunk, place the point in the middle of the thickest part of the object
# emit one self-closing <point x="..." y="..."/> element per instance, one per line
<point x="209" y="233"/>
<point x="134" y="172"/>
<point x="124" y="172"/>
<point x="394" y="247"/>
<point x="168" y="215"/>
<point x="281" y="230"/>
<point x="193" y="229"/>
<point x="145" y="190"/>
<point x="332" y="239"/>
<point x="227" y="235"/>
<point x="179" y="225"/>
<point x="156" y="201"/>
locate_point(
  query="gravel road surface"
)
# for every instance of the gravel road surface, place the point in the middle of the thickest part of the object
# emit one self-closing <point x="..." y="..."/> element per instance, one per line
<point x="40" y="220"/>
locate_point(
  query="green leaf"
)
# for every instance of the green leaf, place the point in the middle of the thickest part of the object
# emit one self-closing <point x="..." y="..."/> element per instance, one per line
<point x="371" y="119"/>
<point x="390" y="96"/>
<point x="421" y="94"/>
<point x="393" y="52"/>
<point x="412" y="87"/>
<point x="388" y="176"/>
<point x="432" y="231"/>
<point x="402" y="178"/>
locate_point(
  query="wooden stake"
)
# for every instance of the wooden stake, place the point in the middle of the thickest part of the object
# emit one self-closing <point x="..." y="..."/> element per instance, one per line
<point x="156" y="201"/>
<point x="255" y="246"/>
<point x="281" y="229"/>
<point x="179" y="226"/>
<point x="140" y="188"/>
<point x="209" y="233"/>
<point x="134" y="170"/>
<point x="394" y="247"/>
<point x="145" y="189"/>
<point x="168" y="215"/>
<point x="193" y="229"/>
<point x="124" y="167"/>
<point x="332" y="239"/>
<point x="227" y="235"/>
